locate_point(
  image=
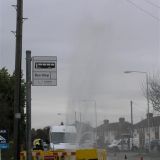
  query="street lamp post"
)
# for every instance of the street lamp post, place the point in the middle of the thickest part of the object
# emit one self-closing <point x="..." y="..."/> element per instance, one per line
<point x="131" y="122"/>
<point x="148" y="118"/>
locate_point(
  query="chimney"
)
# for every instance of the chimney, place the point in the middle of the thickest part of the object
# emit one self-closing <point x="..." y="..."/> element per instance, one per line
<point x="106" y="121"/>
<point x="121" y="120"/>
<point x="149" y="115"/>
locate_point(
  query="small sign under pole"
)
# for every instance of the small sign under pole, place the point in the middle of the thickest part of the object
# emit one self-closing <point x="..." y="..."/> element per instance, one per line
<point x="3" y="140"/>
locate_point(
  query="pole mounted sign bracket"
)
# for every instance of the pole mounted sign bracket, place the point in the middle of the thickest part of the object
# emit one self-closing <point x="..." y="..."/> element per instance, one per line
<point x="44" y="71"/>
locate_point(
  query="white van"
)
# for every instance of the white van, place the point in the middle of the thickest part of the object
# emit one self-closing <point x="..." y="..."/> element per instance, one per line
<point x="62" y="137"/>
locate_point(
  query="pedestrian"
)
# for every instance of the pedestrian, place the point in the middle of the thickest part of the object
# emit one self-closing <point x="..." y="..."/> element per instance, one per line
<point x="125" y="157"/>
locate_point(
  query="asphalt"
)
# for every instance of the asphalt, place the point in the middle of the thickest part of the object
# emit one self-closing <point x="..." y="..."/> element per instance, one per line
<point x="133" y="156"/>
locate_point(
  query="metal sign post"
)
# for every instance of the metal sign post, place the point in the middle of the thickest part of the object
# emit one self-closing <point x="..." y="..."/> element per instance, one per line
<point x="44" y="71"/>
<point x="28" y="104"/>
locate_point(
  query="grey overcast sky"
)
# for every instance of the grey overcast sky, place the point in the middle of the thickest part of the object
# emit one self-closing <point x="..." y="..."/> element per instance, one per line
<point x="95" y="41"/>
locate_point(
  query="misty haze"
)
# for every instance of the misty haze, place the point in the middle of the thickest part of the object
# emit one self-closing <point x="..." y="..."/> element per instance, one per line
<point x="103" y="77"/>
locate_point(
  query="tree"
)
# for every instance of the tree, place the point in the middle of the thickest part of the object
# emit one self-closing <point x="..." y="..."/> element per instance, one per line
<point x="6" y="100"/>
<point x="41" y="133"/>
<point x="154" y="92"/>
<point x="7" y="85"/>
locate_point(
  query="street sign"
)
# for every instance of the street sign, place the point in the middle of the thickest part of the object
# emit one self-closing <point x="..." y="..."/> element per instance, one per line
<point x="4" y="146"/>
<point x="44" y="71"/>
<point x="3" y="139"/>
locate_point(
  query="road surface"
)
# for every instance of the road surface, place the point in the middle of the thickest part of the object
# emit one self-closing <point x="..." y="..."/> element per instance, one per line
<point x="133" y="156"/>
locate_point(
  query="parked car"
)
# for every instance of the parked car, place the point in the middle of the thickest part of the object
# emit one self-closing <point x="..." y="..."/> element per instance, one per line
<point x="114" y="146"/>
<point x="124" y="145"/>
<point x="118" y="145"/>
<point x="155" y="145"/>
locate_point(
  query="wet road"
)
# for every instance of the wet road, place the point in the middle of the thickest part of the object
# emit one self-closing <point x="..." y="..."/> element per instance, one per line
<point x="133" y="156"/>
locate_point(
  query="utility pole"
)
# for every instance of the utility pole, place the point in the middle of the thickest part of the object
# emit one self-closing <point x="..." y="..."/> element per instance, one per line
<point x="18" y="59"/>
<point x="28" y="104"/>
<point x="148" y="117"/>
<point x="132" y="121"/>
<point x="75" y="117"/>
<point x="95" y="105"/>
<point x="80" y="117"/>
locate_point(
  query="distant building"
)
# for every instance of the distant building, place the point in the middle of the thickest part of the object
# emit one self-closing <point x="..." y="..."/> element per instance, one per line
<point x="141" y="129"/>
<point x="107" y="132"/>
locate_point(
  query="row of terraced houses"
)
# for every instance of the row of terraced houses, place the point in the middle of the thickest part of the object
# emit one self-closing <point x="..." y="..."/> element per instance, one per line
<point x="107" y="132"/>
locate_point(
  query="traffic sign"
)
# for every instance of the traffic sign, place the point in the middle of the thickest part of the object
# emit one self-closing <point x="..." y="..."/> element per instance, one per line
<point x="44" y="71"/>
<point x="4" y="146"/>
<point x="3" y="139"/>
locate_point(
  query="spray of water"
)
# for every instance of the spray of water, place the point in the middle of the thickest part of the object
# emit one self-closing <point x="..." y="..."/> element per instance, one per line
<point x="86" y="70"/>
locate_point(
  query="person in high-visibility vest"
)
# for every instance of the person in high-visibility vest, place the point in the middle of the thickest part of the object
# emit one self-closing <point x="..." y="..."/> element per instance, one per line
<point x="38" y="144"/>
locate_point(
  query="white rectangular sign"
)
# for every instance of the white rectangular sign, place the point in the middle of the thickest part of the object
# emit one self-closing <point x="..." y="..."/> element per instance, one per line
<point x="44" y="71"/>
